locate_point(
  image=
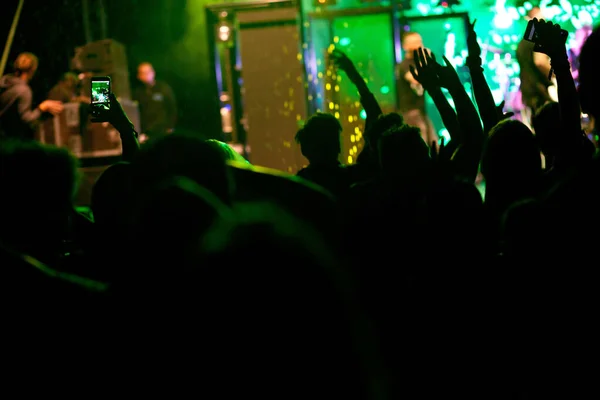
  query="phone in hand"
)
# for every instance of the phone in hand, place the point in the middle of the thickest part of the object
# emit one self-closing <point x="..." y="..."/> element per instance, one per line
<point x="100" y="90"/>
<point x="532" y="35"/>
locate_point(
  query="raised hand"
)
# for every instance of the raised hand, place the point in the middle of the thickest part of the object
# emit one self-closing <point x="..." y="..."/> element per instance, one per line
<point x="550" y="39"/>
<point x="425" y="70"/>
<point x="501" y="114"/>
<point x="472" y="44"/>
<point x="342" y="61"/>
<point x="447" y="75"/>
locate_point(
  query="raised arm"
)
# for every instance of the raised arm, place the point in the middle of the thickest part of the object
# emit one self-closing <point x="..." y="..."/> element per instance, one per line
<point x="120" y="121"/>
<point x="552" y="41"/>
<point x="29" y="116"/>
<point x="367" y="99"/>
<point x="467" y="158"/>
<point x="490" y="114"/>
<point x="425" y="73"/>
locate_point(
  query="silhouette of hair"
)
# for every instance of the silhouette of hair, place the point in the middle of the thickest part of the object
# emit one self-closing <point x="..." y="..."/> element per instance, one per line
<point x="546" y="125"/>
<point x="26" y="63"/>
<point x="229" y="154"/>
<point x="111" y="195"/>
<point x="589" y="81"/>
<point x="403" y="152"/>
<point x="176" y="214"/>
<point x="319" y="139"/>
<point x="185" y="156"/>
<point x="35" y="174"/>
<point x="273" y="274"/>
<point x="511" y="154"/>
<point x="381" y="125"/>
<point x="38" y="186"/>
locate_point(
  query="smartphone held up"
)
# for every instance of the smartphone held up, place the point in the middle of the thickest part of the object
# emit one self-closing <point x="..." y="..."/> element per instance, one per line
<point x="535" y="36"/>
<point x="100" y="103"/>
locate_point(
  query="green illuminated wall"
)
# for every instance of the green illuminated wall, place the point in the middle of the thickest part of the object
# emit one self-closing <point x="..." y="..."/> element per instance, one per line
<point x="332" y="91"/>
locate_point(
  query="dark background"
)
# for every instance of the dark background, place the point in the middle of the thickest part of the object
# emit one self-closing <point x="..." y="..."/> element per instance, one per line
<point x="162" y="32"/>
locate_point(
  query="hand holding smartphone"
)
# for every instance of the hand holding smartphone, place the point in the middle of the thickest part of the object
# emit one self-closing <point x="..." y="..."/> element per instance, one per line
<point x="100" y="101"/>
<point x="545" y="35"/>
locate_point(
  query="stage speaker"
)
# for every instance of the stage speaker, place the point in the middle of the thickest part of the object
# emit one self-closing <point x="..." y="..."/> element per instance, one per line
<point x="103" y="55"/>
<point x="104" y="58"/>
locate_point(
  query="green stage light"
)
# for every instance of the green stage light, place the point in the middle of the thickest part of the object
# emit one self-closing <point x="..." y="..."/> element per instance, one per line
<point x="344" y="41"/>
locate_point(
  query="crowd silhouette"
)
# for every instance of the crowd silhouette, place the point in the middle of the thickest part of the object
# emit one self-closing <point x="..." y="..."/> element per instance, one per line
<point x="201" y="274"/>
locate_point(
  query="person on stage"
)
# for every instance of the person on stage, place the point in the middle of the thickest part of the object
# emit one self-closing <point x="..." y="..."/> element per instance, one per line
<point x="158" y="108"/>
<point x="17" y="117"/>
<point x="411" y="99"/>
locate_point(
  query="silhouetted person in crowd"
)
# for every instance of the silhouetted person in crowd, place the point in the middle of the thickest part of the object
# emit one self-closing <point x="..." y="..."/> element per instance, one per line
<point x="17" y="116"/>
<point x="574" y="199"/>
<point x="228" y="152"/>
<point x="158" y="107"/>
<point x="319" y="142"/>
<point x="186" y="156"/>
<point x="319" y="346"/>
<point x="38" y="185"/>
<point x="512" y="167"/>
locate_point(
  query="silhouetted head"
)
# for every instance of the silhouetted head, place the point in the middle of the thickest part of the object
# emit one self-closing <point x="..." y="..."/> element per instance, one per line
<point x="403" y="154"/>
<point x="173" y="218"/>
<point x="229" y="154"/>
<point x="511" y="155"/>
<point x="26" y="65"/>
<point x="381" y="125"/>
<point x="589" y="80"/>
<point x="319" y="139"/>
<point x="411" y="41"/>
<point x="546" y="124"/>
<point x="186" y="156"/>
<point x="146" y="74"/>
<point x="111" y="196"/>
<point x="271" y="274"/>
<point x="38" y="186"/>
